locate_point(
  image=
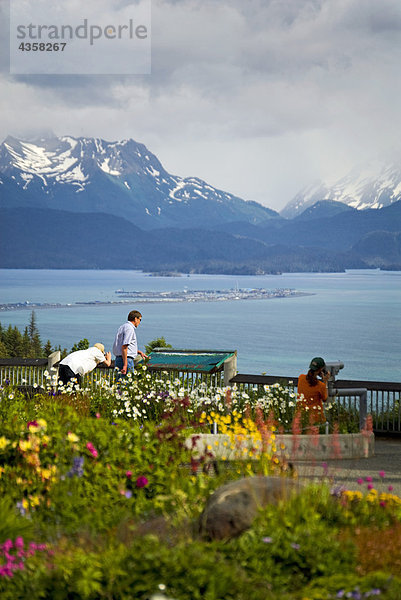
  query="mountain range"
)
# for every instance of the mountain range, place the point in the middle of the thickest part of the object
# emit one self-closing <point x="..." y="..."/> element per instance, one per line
<point x="373" y="184"/>
<point x="87" y="203"/>
<point x="121" y="178"/>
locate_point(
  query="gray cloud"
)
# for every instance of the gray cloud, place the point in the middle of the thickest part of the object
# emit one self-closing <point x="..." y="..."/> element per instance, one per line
<point x="256" y="97"/>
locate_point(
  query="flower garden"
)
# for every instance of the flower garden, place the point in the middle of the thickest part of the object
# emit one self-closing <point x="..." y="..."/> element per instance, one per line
<point x="101" y="494"/>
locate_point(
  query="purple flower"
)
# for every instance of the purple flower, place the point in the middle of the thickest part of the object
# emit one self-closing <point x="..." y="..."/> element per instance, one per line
<point x="337" y="491"/>
<point x="77" y="467"/>
<point x="128" y="494"/>
<point x="21" y="508"/>
<point x="267" y="540"/>
<point x="142" y="481"/>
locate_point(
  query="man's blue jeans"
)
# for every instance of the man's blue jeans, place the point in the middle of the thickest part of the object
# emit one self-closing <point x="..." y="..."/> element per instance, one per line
<point x="130" y="364"/>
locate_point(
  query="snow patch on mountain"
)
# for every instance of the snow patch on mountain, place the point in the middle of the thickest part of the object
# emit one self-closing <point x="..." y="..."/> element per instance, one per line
<point x="91" y="174"/>
<point x="372" y="185"/>
<point x="105" y="166"/>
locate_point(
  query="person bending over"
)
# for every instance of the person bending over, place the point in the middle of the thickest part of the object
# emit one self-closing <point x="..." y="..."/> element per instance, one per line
<point x="79" y="363"/>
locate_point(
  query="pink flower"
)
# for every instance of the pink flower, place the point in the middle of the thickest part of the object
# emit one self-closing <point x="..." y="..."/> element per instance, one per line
<point x="8" y="544"/>
<point x="97" y="415"/>
<point x="382" y="503"/>
<point x="19" y="543"/>
<point x="390" y="488"/>
<point x="128" y="474"/>
<point x="141" y="481"/>
<point x="382" y="474"/>
<point x="370" y="486"/>
<point x="92" y="449"/>
<point x="368" y="478"/>
<point x="360" y="481"/>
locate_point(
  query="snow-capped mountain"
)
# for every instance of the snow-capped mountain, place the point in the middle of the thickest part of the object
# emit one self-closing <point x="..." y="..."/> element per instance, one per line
<point x="121" y="178"/>
<point x="373" y="185"/>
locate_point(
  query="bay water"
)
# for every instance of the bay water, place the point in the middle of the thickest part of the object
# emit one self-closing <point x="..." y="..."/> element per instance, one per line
<point x="353" y="317"/>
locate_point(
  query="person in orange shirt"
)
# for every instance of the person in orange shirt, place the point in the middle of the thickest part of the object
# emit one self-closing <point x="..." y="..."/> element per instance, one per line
<point x="312" y="392"/>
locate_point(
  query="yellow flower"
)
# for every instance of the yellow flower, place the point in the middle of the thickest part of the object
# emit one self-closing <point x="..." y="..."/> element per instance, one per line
<point x="3" y="442"/>
<point x="46" y="473"/>
<point x="24" y="445"/>
<point x="33" y="428"/>
<point x="34" y="500"/>
<point x="42" y="423"/>
<point x="71" y="437"/>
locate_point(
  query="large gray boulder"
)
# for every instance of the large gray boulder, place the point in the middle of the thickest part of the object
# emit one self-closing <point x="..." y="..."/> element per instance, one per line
<point x="231" y="509"/>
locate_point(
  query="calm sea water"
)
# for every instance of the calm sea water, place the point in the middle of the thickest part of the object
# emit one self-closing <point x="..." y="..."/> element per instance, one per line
<point x="353" y="317"/>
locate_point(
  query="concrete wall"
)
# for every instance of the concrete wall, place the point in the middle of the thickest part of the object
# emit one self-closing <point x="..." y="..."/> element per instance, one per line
<point x="301" y="447"/>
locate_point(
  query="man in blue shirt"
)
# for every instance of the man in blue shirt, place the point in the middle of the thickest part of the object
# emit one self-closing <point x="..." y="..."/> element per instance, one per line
<point x="125" y="345"/>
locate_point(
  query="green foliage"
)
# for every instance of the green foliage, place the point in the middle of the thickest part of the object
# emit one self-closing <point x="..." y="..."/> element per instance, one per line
<point x="117" y="503"/>
<point x="81" y="345"/>
<point x="12" y="524"/>
<point x="156" y="343"/>
<point x="27" y="345"/>
<point x="350" y="585"/>
<point x="13" y="343"/>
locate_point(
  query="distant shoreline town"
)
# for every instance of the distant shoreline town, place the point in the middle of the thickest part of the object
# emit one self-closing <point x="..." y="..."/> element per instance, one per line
<point x="128" y="297"/>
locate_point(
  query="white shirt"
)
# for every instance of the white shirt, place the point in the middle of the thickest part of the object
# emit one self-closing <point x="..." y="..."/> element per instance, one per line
<point x="83" y="361"/>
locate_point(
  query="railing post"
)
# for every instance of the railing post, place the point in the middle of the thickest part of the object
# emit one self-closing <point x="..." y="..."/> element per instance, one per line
<point x="52" y="359"/>
<point x="230" y="369"/>
<point x="363" y="409"/>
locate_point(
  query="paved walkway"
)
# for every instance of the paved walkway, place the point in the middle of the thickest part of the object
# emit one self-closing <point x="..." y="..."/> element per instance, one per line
<point x="387" y="458"/>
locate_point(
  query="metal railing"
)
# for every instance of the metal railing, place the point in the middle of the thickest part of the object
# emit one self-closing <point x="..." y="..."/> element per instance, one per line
<point x="28" y="372"/>
<point x="383" y="399"/>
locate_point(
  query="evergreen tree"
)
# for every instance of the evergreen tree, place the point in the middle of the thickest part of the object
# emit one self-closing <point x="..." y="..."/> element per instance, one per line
<point x="36" y="350"/>
<point x="81" y="345"/>
<point x="3" y="350"/>
<point x="32" y="327"/>
<point x="47" y="349"/>
<point x="156" y="343"/>
<point x="26" y="344"/>
<point x="13" y="341"/>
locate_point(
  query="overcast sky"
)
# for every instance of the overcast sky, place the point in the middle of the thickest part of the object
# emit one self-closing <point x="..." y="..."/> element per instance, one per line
<point x="257" y="97"/>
